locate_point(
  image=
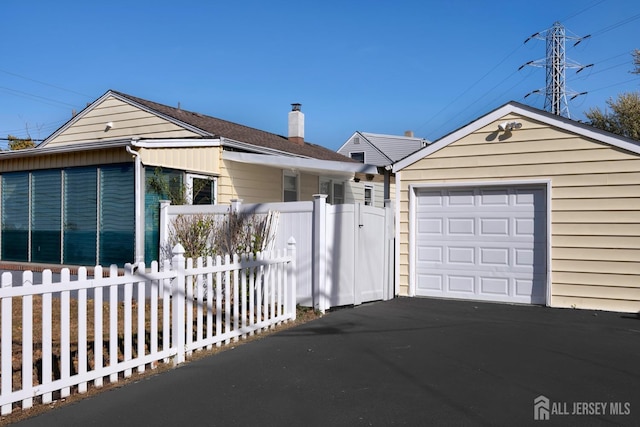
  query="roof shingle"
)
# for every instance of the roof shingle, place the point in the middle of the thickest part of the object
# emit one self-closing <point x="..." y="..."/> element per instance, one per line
<point x="237" y="132"/>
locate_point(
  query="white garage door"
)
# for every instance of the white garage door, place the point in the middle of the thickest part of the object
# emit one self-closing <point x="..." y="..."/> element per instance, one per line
<point x="484" y="243"/>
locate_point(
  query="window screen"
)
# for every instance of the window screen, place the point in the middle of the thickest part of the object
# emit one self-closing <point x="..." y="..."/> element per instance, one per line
<point x="46" y="216"/>
<point x="80" y="216"/>
<point x="117" y="215"/>
<point x="15" y="216"/>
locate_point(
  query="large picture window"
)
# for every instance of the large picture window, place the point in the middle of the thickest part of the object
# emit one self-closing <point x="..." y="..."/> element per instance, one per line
<point x="76" y="216"/>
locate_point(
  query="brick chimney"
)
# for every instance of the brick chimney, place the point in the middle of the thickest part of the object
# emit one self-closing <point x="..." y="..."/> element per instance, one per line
<point x="408" y="133"/>
<point x="296" y="125"/>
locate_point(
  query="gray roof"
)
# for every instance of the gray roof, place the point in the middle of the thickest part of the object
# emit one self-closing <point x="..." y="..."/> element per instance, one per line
<point x="222" y="128"/>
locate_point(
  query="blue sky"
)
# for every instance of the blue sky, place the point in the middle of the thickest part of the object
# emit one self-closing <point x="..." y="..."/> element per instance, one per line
<point x="373" y="66"/>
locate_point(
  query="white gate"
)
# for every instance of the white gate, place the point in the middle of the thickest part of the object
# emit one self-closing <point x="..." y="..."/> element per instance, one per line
<point x="345" y="252"/>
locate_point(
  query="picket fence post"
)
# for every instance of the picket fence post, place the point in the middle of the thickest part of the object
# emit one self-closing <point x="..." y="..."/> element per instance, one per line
<point x="178" y="304"/>
<point x="292" y="273"/>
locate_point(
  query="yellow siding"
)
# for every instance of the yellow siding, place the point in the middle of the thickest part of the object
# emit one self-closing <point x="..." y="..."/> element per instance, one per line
<point x="309" y="185"/>
<point x="66" y="160"/>
<point x="251" y="183"/>
<point x="128" y="121"/>
<point x="204" y="160"/>
<point x="595" y="205"/>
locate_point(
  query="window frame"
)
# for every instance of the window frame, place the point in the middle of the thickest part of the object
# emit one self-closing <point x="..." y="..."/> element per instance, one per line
<point x="371" y="188"/>
<point x="364" y="155"/>
<point x="189" y="178"/>
<point x="290" y="174"/>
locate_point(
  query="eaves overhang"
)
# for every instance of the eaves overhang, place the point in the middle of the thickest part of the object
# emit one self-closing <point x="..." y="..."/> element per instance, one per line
<point x="329" y="168"/>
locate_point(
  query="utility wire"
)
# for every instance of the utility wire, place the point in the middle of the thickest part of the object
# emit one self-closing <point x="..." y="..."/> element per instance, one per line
<point x="44" y="83"/>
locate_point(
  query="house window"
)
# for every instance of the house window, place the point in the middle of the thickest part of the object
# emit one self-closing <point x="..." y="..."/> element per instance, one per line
<point x="15" y="216"/>
<point x="290" y="187"/>
<point x="201" y="189"/>
<point x="357" y="156"/>
<point x="81" y="216"/>
<point x="46" y="216"/>
<point x="338" y="193"/>
<point x="333" y="189"/>
<point x="368" y="195"/>
<point x="356" y="140"/>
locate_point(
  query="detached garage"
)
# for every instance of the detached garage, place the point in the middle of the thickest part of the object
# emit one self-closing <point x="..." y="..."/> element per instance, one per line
<point x="522" y="206"/>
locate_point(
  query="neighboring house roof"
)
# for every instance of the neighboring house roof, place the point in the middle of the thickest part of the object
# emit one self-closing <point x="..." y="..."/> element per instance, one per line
<point x="211" y="127"/>
<point x="388" y="148"/>
<point x="513" y="107"/>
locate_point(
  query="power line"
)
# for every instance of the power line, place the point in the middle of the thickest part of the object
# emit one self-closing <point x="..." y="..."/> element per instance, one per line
<point x="44" y="83"/>
<point x="37" y="97"/>
<point x="595" y="3"/>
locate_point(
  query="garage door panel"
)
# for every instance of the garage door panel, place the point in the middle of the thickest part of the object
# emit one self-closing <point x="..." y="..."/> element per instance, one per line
<point x="461" y="284"/>
<point x="482" y="243"/>
<point x="430" y="254"/>
<point x="494" y="285"/>
<point x="494" y="256"/>
<point x="430" y="282"/>
<point x="460" y="198"/>
<point x="494" y="227"/>
<point x="460" y="255"/>
<point x="461" y="226"/>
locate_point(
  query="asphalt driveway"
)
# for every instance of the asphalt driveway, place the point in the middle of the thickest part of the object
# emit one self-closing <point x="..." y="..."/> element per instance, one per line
<point x="401" y="362"/>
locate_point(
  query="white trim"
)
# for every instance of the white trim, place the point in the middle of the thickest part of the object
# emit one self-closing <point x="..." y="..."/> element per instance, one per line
<point x="350" y="139"/>
<point x="189" y="181"/>
<point x="543" y="183"/>
<point x="397" y="234"/>
<point x="528" y="112"/>
<point x="329" y="168"/>
<point x="176" y="143"/>
<point x="372" y="200"/>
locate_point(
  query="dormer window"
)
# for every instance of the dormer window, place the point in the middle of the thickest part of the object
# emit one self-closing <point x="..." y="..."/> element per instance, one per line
<point x="357" y="156"/>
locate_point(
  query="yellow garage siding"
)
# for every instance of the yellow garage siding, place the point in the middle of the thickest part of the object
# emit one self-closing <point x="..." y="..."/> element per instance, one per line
<point x="204" y="160"/>
<point x="128" y="121"/>
<point x="67" y="160"/>
<point x="595" y="205"/>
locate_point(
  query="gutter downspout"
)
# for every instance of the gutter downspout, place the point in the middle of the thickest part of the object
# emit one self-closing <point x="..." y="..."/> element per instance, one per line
<point x="138" y="195"/>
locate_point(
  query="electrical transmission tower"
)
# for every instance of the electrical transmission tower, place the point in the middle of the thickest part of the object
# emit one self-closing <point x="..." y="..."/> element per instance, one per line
<point x="555" y="63"/>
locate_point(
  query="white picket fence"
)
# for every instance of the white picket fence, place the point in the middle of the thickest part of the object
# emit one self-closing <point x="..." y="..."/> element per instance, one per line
<point x="139" y="318"/>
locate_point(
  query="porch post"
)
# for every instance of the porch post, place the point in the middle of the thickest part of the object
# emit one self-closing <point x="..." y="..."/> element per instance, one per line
<point x="388" y="291"/>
